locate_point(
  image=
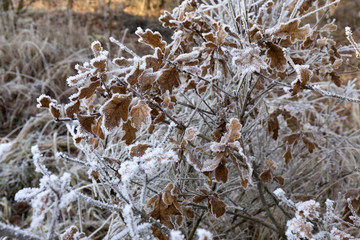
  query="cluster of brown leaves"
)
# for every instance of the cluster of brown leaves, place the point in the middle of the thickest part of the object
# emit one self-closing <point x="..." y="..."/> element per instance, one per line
<point x="166" y="204"/>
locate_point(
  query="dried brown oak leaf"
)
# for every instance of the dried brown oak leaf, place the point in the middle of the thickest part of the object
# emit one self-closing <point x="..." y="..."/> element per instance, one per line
<point x="87" y="92"/>
<point x="276" y="56"/>
<point x="55" y="110"/>
<point x="168" y="79"/>
<point x="72" y="108"/>
<point x="140" y="115"/>
<point x="115" y="110"/>
<point x="96" y="129"/>
<point x="162" y="211"/>
<point x="212" y="164"/>
<point x="309" y="145"/>
<point x="139" y="150"/>
<point x="221" y="173"/>
<point x="291" y="30"/>
<point x="218" y="207"/>
<point x="153" y="39"/>
<point x="44" y="101"/>
<point x="130" y="133"/>
<point x="266" y="176"/>
<point x="86" y="122"/>
<point x="167" y="20"/>
<point x="233" y="131"/>
<point x="288" y="155"/>
<point x="96" y="48"/>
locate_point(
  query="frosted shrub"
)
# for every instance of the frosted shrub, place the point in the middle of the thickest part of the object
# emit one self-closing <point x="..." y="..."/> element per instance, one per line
<point x="191" y="142"/>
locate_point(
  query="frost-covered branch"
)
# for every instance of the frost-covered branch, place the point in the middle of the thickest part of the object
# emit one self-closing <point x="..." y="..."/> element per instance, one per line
<point x="17" y="233"/>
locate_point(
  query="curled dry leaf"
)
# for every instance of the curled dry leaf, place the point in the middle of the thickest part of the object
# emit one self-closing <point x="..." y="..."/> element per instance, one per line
<point x="115" y="110"/>
<point x="87" y="92"/>
<point x="170" y="195"/>
<point x="140" y="115"/>
<point x="328" y="27"/>
<point x="304" y="74"/>
<point x="96" y="129"/>
<point x="192" y="160"/>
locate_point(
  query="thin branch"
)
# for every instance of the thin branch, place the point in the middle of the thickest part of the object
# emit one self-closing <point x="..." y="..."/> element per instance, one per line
<point x="314" y="88"/>
<point x="17" y="233"/>
<point x="196" y="225"/>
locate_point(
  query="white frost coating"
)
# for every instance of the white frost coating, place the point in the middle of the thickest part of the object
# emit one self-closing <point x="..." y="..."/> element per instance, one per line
<point x="26" y="194"/>
<point x="4" y="149"/>
<point x="217" y="147"/>
<point x="129" y="220"/>
<point x="67" y="198"/>
<point x="176" y="235"/>
<point x="149" y="163"/>
<point x="40" y="208"/>
<point x="127" y="170"/>
<point x="248" y="60"/>
<point x="17" y="232"/>
<point x="204" y="234"/>
<point x="37" y="160"/>
<point x="301" y="226"/>
<point x="187" y="57"/>
<point x="78" y="79"/>
<point x="99" y="58"/>
<point x="308" y="209"/>
<point x="348" y="31"/>
<point x="336" y="234"/>
<point x="280" y="194"/>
